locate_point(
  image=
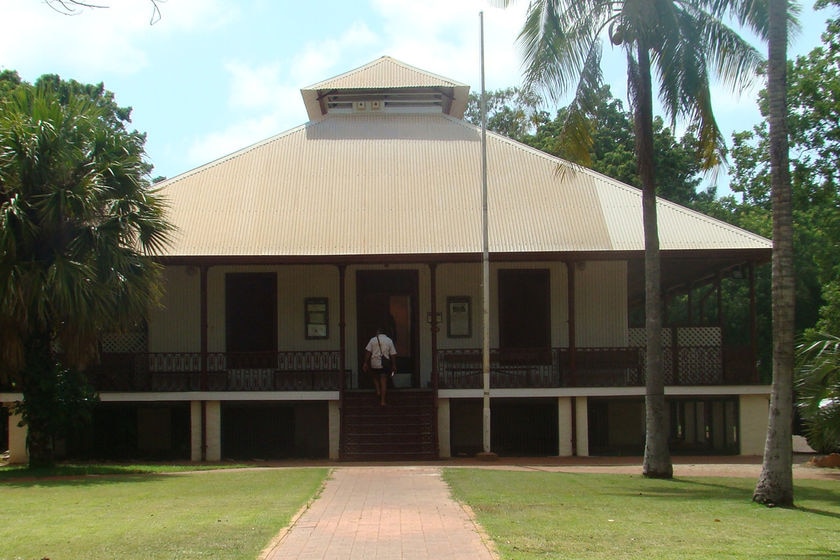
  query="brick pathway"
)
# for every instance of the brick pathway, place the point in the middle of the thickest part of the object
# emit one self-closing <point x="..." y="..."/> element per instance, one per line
<point x="390" y="512"/>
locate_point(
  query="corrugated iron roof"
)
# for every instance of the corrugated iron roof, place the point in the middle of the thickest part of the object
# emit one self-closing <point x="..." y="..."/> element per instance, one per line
<point x="398" y="184"/>
<point x="384" y="73"/>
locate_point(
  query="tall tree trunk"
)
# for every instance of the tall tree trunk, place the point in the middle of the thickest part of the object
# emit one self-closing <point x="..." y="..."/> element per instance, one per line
<point x="38" y="394"/>
<point x="657" y="460"/>
<point x="775" y="484"/>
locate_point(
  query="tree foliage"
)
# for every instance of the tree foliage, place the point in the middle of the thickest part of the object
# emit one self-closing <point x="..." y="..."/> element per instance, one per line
<point x="813" y="99"/>
<point x="681" y="44"/>
<point x="818" y="390"/>
<point x="79" y="225"/>
<point x="678" y="172"/>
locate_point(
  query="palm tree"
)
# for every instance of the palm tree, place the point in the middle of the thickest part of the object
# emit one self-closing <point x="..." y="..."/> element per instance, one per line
<point x="683" y="42"/>
<point x="78" y="226"/>
<point x="818" y="390"/>
<point x="775" y="483"/>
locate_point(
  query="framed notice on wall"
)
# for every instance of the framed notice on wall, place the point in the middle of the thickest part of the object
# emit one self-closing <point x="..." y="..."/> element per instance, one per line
<point x="317" y="317"/>
<point x="458" y="317"/>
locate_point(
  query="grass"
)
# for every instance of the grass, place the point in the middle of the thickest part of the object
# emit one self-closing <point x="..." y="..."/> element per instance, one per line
<point x="221" y="514"/>
<point x="175" y="512"/>
<point x="531" y="515"/>
<point x="12" y="472"/>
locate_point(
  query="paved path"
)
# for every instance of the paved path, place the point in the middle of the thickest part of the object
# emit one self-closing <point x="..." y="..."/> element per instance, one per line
<point x="395" y="512"/>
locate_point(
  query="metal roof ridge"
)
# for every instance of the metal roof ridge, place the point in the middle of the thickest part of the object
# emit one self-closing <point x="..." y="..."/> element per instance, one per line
<point x="447" y="82"/>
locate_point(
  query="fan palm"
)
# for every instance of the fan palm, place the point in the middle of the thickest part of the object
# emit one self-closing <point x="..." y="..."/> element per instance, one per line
<point x="78" y="226"/>
<point x="818" y="391"/>
<point x="681" y="42"/>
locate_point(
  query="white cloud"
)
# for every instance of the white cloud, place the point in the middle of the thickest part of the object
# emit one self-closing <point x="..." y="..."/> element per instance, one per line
<point x="37" y="39"/>
<point x="318" y="59"/>
<point x="193" y="15"/>
<point x="239" y="135"/>
<point x="443" y="36"/>
<point x="265" y="98"/>
<point x="282" y="112"/>
<point x="253" y="87"/>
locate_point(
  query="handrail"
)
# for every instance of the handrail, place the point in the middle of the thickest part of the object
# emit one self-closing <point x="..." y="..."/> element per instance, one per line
<point x="182" y="371"/>
<point x="591" y="367"/>
<point x="457" y="368"/>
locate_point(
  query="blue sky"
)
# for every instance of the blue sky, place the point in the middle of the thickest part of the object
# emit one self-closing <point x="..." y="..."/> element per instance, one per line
<point x="213" y="76"/>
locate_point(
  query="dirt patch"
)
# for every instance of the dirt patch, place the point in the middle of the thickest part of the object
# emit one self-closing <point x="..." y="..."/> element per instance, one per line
<point x="735" y="466"/>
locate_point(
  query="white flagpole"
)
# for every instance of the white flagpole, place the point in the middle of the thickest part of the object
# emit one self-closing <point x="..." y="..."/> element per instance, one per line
<point x="485" y="259"/>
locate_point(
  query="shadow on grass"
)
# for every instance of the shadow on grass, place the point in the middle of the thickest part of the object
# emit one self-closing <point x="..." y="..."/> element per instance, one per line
<point x="803" y="492"/>
<point x="68" y="481"/>
<point x="80" y="475"/>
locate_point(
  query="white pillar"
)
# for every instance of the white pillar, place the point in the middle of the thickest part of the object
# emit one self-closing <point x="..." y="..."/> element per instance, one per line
<point x="334" y="429"/>
<point x="17" y="441"/>
<point x="211" y="425"/>
<point x="195" y="431"/>
<point x="753" y="413"/>
<point x="444" y="442"/>
<point x="564" y="426"/>
<point x="582" y="426"/>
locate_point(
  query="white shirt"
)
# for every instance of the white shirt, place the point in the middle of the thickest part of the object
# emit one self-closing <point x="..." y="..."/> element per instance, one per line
<point x="388" y="349"/>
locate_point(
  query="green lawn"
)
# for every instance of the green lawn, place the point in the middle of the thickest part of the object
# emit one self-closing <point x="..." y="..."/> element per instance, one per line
<point x="144" y="513"/>
<point x="220" y="514"/>
<point x="532" y="515"/>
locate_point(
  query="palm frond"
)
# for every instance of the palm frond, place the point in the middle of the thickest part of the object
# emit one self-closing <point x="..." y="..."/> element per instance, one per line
<point x="576" y="129"/>
<point x="557" y="39"/>
<point x="80" y="222"/>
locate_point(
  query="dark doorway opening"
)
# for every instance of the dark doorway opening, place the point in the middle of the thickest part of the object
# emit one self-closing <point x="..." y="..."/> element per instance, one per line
<point x="388" y="299"/>
<point x="524" y="309"/>
<point x="251" y="319"/>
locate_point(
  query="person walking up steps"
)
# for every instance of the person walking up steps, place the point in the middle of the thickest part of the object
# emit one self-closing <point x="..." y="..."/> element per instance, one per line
<point x="380" y="361"/>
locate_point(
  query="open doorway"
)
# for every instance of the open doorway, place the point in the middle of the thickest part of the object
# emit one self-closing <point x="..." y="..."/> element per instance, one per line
<point x="388" y="299"/>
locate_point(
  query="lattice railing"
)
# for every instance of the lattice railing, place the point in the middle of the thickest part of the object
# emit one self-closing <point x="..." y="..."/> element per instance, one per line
<point x="590" y="367"/>
<point x="182" y="371"/>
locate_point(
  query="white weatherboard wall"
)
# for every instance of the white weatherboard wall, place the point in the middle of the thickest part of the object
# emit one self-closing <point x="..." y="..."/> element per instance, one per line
<point x="174" y="326"/>
<point x="294" y="285"/>
<point x="458" y="280"/>
<point x="601" y="304"/>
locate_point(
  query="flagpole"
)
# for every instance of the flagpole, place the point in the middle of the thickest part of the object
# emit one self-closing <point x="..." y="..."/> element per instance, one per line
<point x="485" y="262"/>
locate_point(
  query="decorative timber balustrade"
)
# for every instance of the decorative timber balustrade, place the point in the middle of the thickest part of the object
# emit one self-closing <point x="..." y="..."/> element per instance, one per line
<point x="691" y="357"/>
<point x="593" y="367"/>
<point x="184" y="371"/>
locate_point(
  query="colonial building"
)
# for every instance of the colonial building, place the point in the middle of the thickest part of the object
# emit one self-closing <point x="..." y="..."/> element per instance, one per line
<point x="289" y="253"/>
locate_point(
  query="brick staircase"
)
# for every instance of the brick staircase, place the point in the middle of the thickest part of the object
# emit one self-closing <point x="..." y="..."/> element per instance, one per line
<point x="405" y="430"/>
